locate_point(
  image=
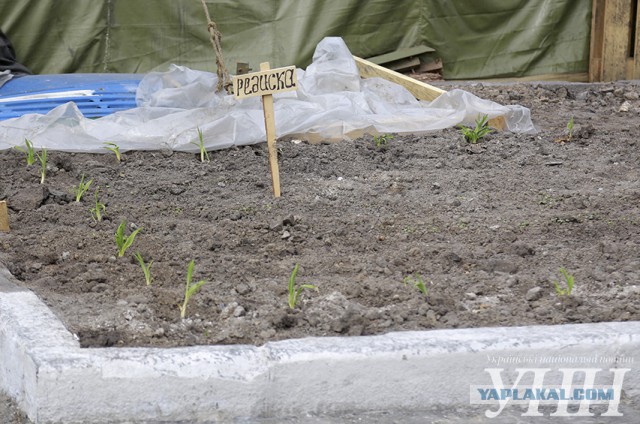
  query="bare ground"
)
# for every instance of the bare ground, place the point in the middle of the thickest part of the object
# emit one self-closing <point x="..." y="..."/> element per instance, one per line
<point x="487" y="227"/>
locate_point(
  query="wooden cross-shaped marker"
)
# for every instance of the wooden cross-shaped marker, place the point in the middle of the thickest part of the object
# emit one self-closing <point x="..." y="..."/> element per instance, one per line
<point x="266" y="83"/>
<point x="4" y="216"/>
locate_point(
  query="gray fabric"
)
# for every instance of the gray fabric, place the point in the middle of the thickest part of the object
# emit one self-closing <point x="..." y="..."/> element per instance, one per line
<point x="4" y="77"/>
<point x="475" y="39"/>
<point x="8" y="59"/>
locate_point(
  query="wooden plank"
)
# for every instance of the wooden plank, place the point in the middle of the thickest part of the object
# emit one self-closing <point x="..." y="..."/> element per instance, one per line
<point x="270" y="126"/>
<point x="577" y="77"/>
<point x="431" y="66"/>
<point x="617" y="29"/>
<point x="419" y="89"/>
<point x="635" y="71"/>
<point x="597" y="40"/>
<point x="631" y="65"/>
<point x="4" y="216"/>
<point x="401" y="65"/>
<point x="400" y="54"/>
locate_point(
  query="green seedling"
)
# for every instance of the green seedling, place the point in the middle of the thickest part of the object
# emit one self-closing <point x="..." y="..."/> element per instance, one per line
<point x="81" y="188"/>
<point x="124" y="243"/>
<point x="114" y="148"/>
<point x="476" y="134"/>
<point x="146" y="268"/>
<point x="43" y="164"/>
<point x="29" y="151"/>
<point x="294" y="292"/>
<point x="204" y="155"/>
<point x="190" y="289"/>
<point x="568" y="279"/>
<point x="416" y="281"/>
<point x="99" y="207"/>
<point x="570" y="128"/>
<point x="382" y="140"/>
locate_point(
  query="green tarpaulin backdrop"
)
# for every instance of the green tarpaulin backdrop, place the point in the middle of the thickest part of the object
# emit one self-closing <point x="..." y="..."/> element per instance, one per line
<point x="475" y="39"/>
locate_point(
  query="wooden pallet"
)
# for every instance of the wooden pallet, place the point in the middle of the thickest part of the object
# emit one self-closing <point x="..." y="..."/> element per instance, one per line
<point x="615" y="40"/>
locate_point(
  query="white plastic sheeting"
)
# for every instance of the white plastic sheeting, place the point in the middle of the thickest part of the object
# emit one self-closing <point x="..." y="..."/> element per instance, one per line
<point x="332" y="102"/>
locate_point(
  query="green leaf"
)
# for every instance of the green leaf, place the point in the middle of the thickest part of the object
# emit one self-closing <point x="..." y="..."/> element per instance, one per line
<point x="190" y="289"/>
<point x="195" y="288"/>
<point x="190" y="271"/>
<point x="120" y="235"/>
<point x="129" y="241"/>
<point x="308" y="286"/>
<point x="292" y="278"/>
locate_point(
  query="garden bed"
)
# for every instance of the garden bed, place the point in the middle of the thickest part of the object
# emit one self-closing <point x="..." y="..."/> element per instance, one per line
<point x="487" y="226"/>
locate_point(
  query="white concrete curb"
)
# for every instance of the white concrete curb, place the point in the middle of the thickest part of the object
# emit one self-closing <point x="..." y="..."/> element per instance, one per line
<point x="54" y="380"/>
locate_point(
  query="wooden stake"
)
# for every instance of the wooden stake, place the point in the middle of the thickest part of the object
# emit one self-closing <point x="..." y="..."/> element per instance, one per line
<point x="4" y="217"/>
<point x="265" y="83"/>
<point x="419" y="89"/>
<point x="270" y="127"/>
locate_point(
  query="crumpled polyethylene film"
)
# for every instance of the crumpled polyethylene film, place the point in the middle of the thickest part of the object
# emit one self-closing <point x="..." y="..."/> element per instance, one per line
<point x="332" y="102"/>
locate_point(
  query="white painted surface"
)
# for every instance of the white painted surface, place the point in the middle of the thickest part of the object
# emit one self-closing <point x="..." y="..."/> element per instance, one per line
<point x="54" y="380"/>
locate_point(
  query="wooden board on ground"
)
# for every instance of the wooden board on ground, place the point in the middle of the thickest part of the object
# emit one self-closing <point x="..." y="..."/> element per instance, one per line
<point x="4" y="216"/>
<point x="419" y="89"/>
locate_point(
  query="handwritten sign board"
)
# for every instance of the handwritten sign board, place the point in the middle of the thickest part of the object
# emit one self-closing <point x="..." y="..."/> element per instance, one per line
<point x="266" y="83"/>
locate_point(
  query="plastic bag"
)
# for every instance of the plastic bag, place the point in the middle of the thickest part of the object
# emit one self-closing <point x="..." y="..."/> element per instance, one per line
<point x="332" y="102"/>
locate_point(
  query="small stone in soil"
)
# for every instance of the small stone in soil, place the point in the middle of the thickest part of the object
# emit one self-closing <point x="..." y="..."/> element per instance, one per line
<point x="242" y="288"/>
<point x="534" y="294"/>
<point x="239" y="311"/>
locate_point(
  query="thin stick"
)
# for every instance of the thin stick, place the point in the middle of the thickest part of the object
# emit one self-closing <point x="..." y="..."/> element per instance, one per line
<point x="270" y="127"/>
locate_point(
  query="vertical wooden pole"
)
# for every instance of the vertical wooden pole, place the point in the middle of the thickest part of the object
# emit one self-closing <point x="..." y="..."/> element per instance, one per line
<point x="4" y="216"/>
<point x="635" y="66"/>
<point x="270" y="126"/>
<point x="597" y="40"/>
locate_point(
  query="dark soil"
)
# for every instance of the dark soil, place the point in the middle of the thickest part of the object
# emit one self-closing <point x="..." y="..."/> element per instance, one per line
<point x="488" y="227"/>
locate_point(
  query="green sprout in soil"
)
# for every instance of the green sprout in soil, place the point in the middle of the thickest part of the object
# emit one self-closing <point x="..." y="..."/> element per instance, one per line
<point x="114" y="148"/>
<point x="96" y="211"/>
<point x="204" y="155"/>
<point x="124" y="243"/>
<point x="81" y="188"/>
<point x="29" y="151"/>
<point x="43" y="164"/>
<point x="568" y="279"/>
<point x="382" y="140"/>
<point x="190" y="289"/>
<point x="146" y="268"/>
<point x="570" y="128"/>
<point x="476" y="134"/>
<point x="416" y="281"/>
<point x="295" y="293"/>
